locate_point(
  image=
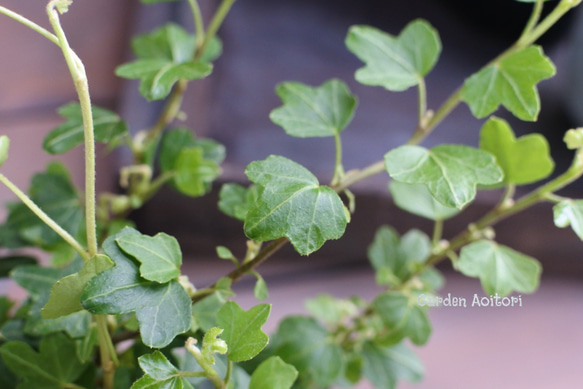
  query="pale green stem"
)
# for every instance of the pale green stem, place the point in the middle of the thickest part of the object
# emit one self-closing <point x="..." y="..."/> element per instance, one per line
<point x="534" y="17"/>
<point x="107" y="352"/>
<point x="198" y="24"/>
<point x="216" y="22"/>
<point x="338" y="168"/>
<point x="536" y="32"/>
<point x="422" y="93"/>
<point x="46" y="218"/>
<point x="29" y="23"/>
<point x="437" y="231"/>
<point x="77" y="71"/>
<point x="210" y="373"/>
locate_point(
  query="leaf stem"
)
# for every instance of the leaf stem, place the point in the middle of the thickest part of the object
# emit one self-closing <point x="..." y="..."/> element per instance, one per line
<point x="338" y="168"/>
<point x="216" y="23"/>
<point x="46" y="218"/>
<point x="210" y="373"/>
<point x="107" y="352"/>
<point x="29" y="23"/>
<point x="536" y="32"/>
<point x="198" y="24"/>
<point x="534" y="17"/>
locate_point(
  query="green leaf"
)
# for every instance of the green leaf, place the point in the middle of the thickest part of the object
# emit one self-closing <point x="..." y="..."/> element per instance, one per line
<point x="4" y="146"/>
<point x="37" y="280"/>
<point x="305" y="344"/>
<point x="108" y="127"/>
<point x="524" y="160"/>
<point x="159" y="373"/>
<point x="314" y="112"/>
<point x="403" y="317"/>
<point x="385" y="366"/>
<point x="330" y="309"/>
<point x="160" y="256"/>
<point x="178" y="139"/>
<point x="65" y="297"/>
<point x="163" y="310"/>
<point x="53" y="367"/>
<point x="450" y="172"/>
<point x="9" y="263"/>
<point x="164" y="56"/>
<point x="242" y="329"/>
<point x="395" y="63"/>
<point x="260" y="290"/>
<point x="235" y="200"/>
<point x="273" y="373"/>
<point x="501" y="270"/>
<point x="570" y="212"/>
<point x="416" y="199"/>
<point x="294" y="205"/>
<point x="194" y="173"/>
<point x="395" y="258"/>
<point x="574" y="138"/>
<point x="511" y="82"/>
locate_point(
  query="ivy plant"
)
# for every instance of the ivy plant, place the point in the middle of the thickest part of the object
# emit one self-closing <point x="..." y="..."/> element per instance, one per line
<point x="113" y="309"/>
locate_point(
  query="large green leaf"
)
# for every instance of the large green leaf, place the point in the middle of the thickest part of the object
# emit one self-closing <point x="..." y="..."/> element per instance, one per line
<point x="524" y="160"/>
<point x="395" y="63"/>
<point x="163" y="310"/>
<point x="164" y="56"/>
<point x="159" y="373"/>
<point x="416" y="199"/>
<point x="65" y="297"/>
<point x="403" y="317"/>
<point x="384" y="366"/>
<point x="450" y="172"/>
<point x="54" y="366"/>
<point x="305" y="344"/>
<point x="107" y="126"/>
<point x="500" y="269"/>
<point x="160" y="255"/>
<point x="242" y="330"/>
<point x="273" y="373"/>
<point x="510" y="82"/>
<point x="314" y="112"/>
<point x="570" y="212"/>
<point x="293" y="204"/>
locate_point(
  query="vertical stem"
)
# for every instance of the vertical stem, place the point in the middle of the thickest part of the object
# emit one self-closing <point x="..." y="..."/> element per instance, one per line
<point x="338" y="168"/>
<point x="216" y="22"/>
<point x="198" y="24"/>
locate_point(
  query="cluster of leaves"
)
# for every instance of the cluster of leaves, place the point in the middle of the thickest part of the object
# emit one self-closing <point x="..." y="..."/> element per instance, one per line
<point x="134" y="289"/>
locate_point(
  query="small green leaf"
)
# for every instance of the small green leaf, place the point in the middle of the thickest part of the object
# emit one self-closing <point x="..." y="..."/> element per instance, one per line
<point x="211" y="345"/>
<point x="235" y="200"/>
<point x="4" y="146"/>
<point x="450" y="172"/>
<point x="65" y="297"/>
<point x="500" y="269"/>
<point x="273" y="373"/>
<point x="159" y="373"/>
<point x="570" y="212"/>
<point x="510" y="82"/>
<point x="178" y="139"/>
<point x="164" y="56"/>
<point x="574" y="138"/>
<point x="194" y="173"/>
<point x="395" y="258"/>
<point x="314" y="112"/>
<point x="524" y="160"/>
<point x="242" y="329"/>
<point x="395" y="63"/>
<point x="416" y="199"/>
<point x="260" y="290"/>
<point x="205" y="311"/>
<point x="163" y="310"/>
<point x="384" y="366"/>
<point x="403" y="317"/>
<point x="107" y="125"/>
<point x="294" y="205"/>
<point x="54" y="366"/>
<point x="160" y="256"/>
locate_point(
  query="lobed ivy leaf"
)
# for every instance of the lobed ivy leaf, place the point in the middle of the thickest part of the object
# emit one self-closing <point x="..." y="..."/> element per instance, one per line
<point x="4" y="146"/>
<point x="314" y="112"/>
<point x="108" y="127"/>
<point x="403" y="317"/>
<point x="510" y="82"/>
<point x="54" y="366"/>
<point x="293" y="204"/>
<point x="395" y="63"/>
<point x="235" y="200"/>
<point x="570" y="212"/>
<point x="273" y="373"/>
<point x="523" y="160"/>
<point x="159" y="256"/>
<point x="178" y="139"/>
<point x="394" y="258"/>
<point x="305" y="344"/>
<point x="194" y="173"/>
<point x="65" y="296"/>
<point x="242" y="330"/>
<point x="159" y="373"/>
<point x="163" y="311"/>
<point x="500" y="269"/>
<point x="450" y="172"/>
<point x="164" y="56"/>
<point x="384" y="366"/>
<point x="416" y="199"/>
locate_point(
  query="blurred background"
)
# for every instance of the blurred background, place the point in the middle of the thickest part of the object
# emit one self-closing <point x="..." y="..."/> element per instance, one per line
<point x="270" y="41"/>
